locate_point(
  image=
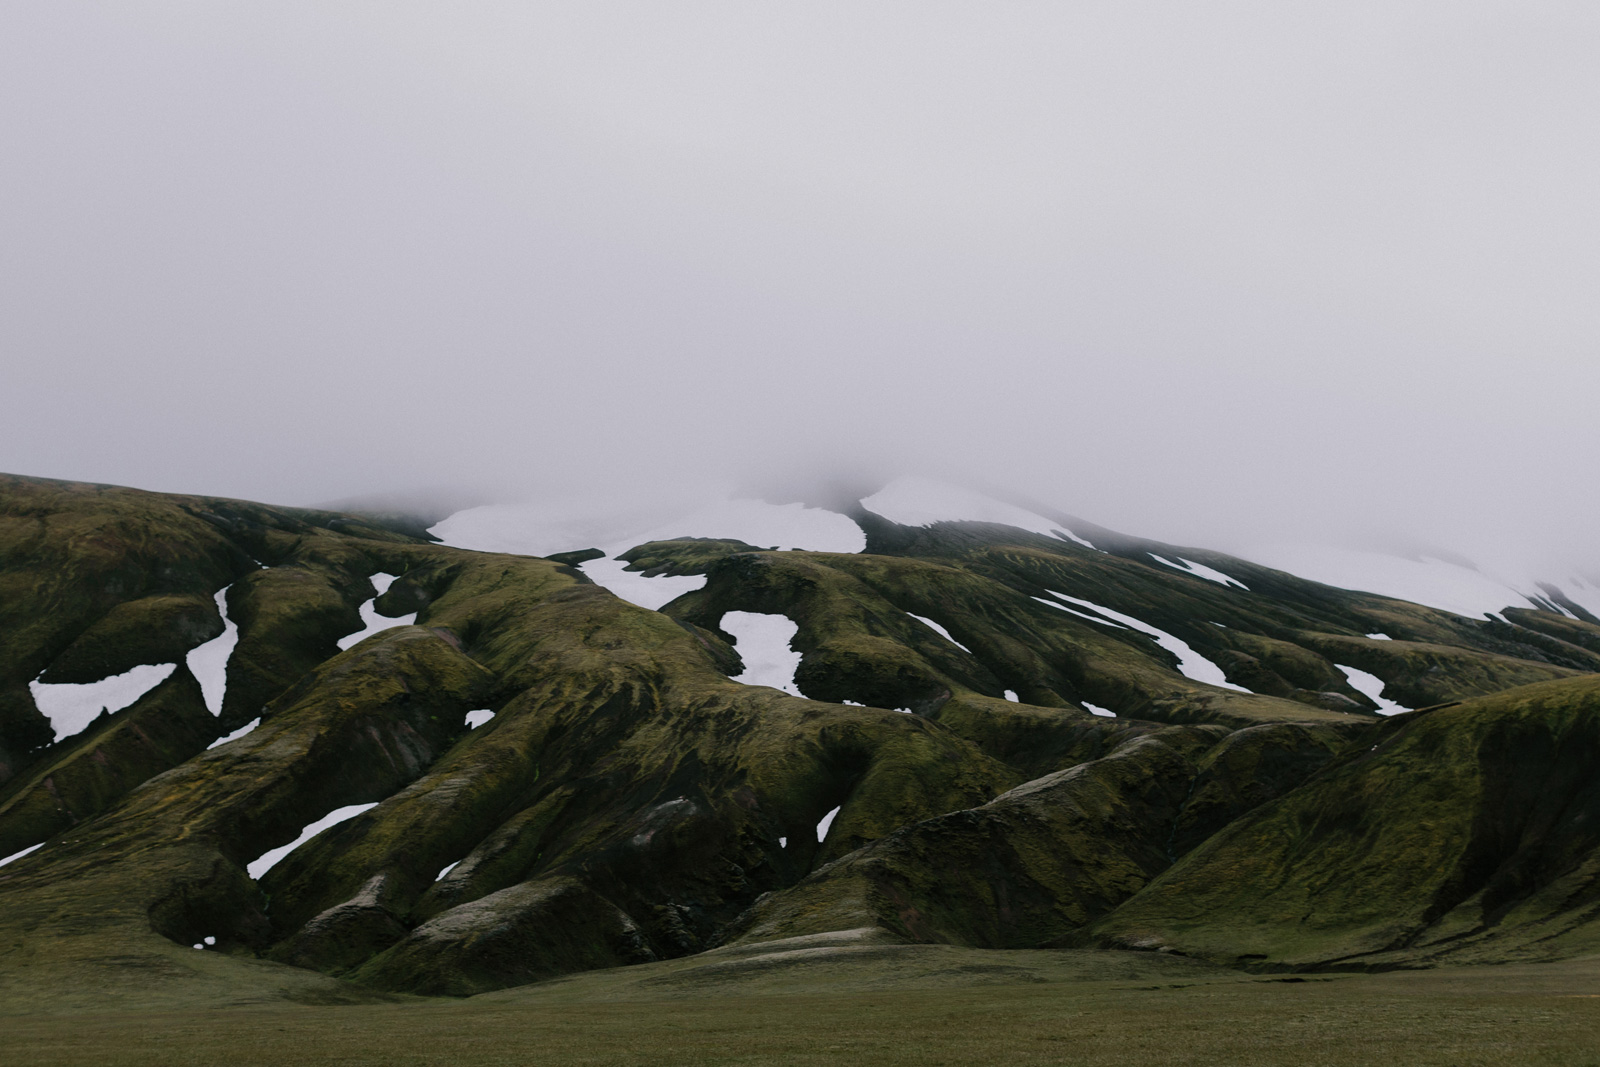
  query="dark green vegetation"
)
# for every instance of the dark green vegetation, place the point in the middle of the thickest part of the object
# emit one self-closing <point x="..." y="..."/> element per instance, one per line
<point x="629" y="804"/>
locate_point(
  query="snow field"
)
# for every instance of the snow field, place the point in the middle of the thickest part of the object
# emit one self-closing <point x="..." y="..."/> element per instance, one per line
<point x="762" y="641"/>
<point x="240" y="732"/>
<point x="371" y="621"/>
<point x="1079" y="614"/>
<point x="1371" y="685"/>
<point x="267" y="860"/>
<point x="564" y="526"/>
<point x="941" y="631"/>
<point x="19" y="855"/>
<point x="1200" y="570"/>
<point x="1191" y="664"/>
<point x="209" y="662"/>
<point x="923" y="501"/>
<point x="822" y="827"/>
<point x="72" y="707"/>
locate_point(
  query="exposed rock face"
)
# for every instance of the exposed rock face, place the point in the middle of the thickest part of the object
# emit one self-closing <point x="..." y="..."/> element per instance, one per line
<point x="1058" y="779"/>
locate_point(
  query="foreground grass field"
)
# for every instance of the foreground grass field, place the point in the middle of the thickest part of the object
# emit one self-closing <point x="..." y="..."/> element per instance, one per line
<point x="871" y="1005"/>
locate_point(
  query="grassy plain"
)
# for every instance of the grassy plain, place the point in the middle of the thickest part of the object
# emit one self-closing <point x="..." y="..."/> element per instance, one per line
<point x="869" y="1005"/>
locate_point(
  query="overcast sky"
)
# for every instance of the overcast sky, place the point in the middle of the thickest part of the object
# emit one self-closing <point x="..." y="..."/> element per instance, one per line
<point x="1206" y="271"/>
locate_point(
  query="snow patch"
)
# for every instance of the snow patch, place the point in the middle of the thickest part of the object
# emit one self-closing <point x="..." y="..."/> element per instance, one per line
<point x="762" y="641"/>
<point x="923" y="501"/>
<point x="1372" y="686"/>
<point x="822" y="827"/>
<point x="1200" y="570"/>
<point x="941" y="631"/>
<point x="447" y="869"/>
<point x="1096" y="709"/>
<point x="240" y="732"/>
<point x="372" y="622"/>
<point x="267" y="860"/>
<point x="1379" y="637"/>
<point x="24" y="852"/>
<point x="1011" y="695"/>
<point x="71" y="707"/>
<point x="1079" y="614"/>
<point x="209" y="662"/>
<point x="1191" y="664"/>
<point x="567" y="525"/>
<point x="477" y="718"/>
<point x="783" y="842"/>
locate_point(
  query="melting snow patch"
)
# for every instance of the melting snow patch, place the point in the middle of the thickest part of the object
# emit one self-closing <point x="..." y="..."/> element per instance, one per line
<point x="240" y="732"/>
<point x="1011" y="695"/>
<point x="209" y="662"/>
<point x="783" y="842"/>
<point x="24" y="852"/>
<point x="538" y="530"/>
<point x="448" y="868"/>
<point x="1380" y="637"/>
<point x="268" y="860"/>
<point x="923" y="501"/>
<point x="1372" y="686"/>
<point x="476" y="719"/>
<point x="941" y="631"/>
<point x="822" y="827"/>
<point x="1191" y="664"/>
<point x="1079" y="614"/>
<point x="71" y="707"/>
<point x="762" y="641"/>
<point x="1200" y="570"/>
<point x="1096" y="709"/>
<point x="903" y="711"/>
<point x="372" y="622"/>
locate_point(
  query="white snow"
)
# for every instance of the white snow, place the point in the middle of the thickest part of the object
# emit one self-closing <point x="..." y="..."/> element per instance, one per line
<point x="1191" y="664"/>
<point x="476" y="719"/>
<point x="372" y="622"/>
<point x="240" y="732"/>
<point x="783" y="842"/>
<point x="941" y="631"/>
<point x="1011" y="695"/>
<point x="1380" y="637"/>
<point x="1371" y="685"/>
<point x="209" y="662"/>
<point x="267" y="860"/>
<point x="1081" y="615"/>
<point x="24" y="852"/>
<point x="71" y="707"/>
<point x="822" y="827"/>
<point x="1463" y="589"/>
<point x="903" y="711"/>
<point x="566" y="525"/>
<point x="1096" y="709"/>
<point x="916" y="501"/>
<point x="447" y="869"/>
<point x="1200" y="570"/>
<point x="762" y="641"/>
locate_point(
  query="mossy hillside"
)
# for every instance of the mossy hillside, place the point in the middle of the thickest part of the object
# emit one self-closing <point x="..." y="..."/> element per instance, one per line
<point x="95" y="769"/>
<point x="1418" y="674"/>
<point x="1584" y="635"/>
<point x="168" y="859"/>
<point x="859" y="643"/>
<point x="1472" y="827"/>
<point x="1029" y="867"/>
<point x="155" y="629"/>
<point x="656" y="781"/>
<point x="70" y="554"/>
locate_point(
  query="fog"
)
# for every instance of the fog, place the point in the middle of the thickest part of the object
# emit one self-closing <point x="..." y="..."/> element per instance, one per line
<point x="1215" y="273"/>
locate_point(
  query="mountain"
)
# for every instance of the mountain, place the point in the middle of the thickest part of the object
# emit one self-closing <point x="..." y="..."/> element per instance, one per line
<point x="249" y="749"/>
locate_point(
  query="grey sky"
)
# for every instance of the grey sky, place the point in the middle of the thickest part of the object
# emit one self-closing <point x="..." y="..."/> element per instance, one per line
<point x="1203" y="271"/>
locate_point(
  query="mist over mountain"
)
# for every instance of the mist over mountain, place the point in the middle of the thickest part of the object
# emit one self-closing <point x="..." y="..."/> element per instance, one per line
<point x="1223" y="277"/>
